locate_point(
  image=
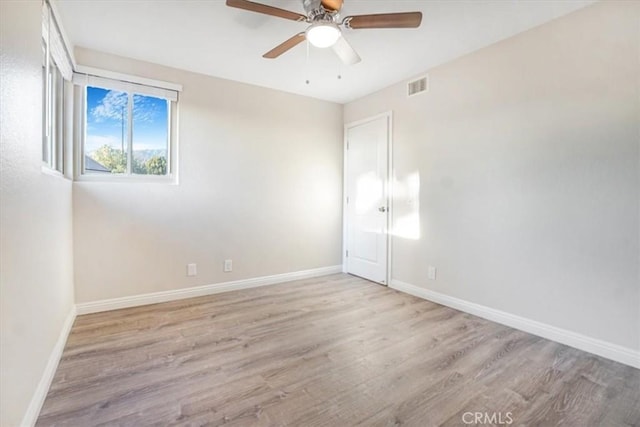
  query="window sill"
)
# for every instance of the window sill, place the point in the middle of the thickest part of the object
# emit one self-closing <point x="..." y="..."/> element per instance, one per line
<point x="141" y="179"/>
<point x="52" y="172"/>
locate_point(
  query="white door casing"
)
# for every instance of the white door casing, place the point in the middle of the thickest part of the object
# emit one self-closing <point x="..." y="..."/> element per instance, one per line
<point x="367" y="198"/>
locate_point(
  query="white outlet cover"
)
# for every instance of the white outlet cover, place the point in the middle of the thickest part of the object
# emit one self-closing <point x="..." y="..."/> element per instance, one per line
<point x="431" y="273"/>
<point x="228" y="265"/>
<point x="192" y="270"/>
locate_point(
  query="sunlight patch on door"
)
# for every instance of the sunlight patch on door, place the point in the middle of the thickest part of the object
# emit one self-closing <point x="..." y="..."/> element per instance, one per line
<point x="369" y="193"/>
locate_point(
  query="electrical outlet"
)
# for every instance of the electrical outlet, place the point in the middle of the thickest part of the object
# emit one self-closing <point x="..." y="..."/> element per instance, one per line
<point x="228" y="265"/>
<point x="431" y="273"/>
<point x="192" y="270"/>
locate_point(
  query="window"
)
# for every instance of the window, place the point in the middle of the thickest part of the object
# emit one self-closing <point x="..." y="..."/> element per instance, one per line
<point x="127" y="129"/>
<point x="126" y="133"/>
<point x="56" y="67"/>
<point x="53" y="114"/>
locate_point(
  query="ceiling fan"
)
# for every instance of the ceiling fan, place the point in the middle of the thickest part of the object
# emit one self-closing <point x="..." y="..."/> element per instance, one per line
<point x="324" y="31"/>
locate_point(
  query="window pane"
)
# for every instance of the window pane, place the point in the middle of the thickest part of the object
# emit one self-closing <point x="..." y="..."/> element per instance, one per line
<point x="57" y="122"/>
<point x="150" y="135"/>
<point x="106" y="131"/>
<point x="45" y="106"/>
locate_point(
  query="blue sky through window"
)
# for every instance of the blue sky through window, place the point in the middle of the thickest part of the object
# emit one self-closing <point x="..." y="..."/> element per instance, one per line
<point x="107" y="121"/>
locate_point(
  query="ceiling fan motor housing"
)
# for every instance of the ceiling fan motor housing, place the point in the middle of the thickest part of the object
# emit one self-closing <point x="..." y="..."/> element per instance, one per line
<point x="316" y="11"/>
<point x="311" y="6"/>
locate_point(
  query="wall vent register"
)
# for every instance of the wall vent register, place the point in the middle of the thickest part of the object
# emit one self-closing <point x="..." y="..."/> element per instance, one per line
<point x="417" y="86"/>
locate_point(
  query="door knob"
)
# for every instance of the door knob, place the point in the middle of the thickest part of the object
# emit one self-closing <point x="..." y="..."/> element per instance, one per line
<point x="382" y="209"/>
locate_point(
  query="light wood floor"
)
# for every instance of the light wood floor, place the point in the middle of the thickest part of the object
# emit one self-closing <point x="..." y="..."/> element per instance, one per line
<point x="331" y="351"/>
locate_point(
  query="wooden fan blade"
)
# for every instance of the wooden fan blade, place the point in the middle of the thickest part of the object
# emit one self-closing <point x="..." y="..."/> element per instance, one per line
<point x="285" y="46"/>
<point x="384" y="20"/>
<point x="345" y="52"/>
<point x="332" y="4"/>
<point x="267" y="10"/>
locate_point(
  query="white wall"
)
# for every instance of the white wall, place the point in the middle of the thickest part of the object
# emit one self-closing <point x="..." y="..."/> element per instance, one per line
<point x="36" y="272"/>
<point x="527" y="159"/>
<point x="260" y="183"/>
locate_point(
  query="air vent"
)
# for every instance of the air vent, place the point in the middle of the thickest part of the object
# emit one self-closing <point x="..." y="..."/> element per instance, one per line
<point x="417" y="86"/>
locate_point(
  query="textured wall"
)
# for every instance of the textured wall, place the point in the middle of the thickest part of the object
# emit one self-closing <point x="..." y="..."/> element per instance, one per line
<point x="518" y="174"/>
<point x="36" y="262"/>
<point x="260" y="183"/>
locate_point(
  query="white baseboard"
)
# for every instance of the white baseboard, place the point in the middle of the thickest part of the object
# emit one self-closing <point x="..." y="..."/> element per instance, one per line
<point x="198" y="291"/>
<point x="31" y="416"/>
<point x="582" y="342"/>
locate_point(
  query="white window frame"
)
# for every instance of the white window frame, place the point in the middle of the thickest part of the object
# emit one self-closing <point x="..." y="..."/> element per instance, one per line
<point x="130" y="85"/>
<point x="50" y="131"/>
<point x="57" y="69"/>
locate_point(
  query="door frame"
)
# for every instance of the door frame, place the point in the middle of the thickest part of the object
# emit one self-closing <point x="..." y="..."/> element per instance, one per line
<point x="388" y="186"/>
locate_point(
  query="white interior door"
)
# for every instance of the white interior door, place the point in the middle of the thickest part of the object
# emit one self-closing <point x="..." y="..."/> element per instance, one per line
<point x="367" y="207"/>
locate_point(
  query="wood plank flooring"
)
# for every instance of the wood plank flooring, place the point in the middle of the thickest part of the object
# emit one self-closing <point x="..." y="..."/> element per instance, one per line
<point x="330" y="351"/>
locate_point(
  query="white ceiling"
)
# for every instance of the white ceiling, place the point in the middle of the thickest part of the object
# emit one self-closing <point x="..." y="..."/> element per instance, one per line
<point x="210" y="38"/>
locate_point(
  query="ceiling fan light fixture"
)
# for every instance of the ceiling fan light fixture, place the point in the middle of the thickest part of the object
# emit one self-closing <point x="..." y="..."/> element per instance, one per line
<point x="323" y="34"/>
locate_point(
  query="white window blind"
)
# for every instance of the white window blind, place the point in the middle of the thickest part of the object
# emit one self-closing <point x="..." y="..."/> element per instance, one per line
<point x="124" y="86"/>
<point x="57" y="48"/>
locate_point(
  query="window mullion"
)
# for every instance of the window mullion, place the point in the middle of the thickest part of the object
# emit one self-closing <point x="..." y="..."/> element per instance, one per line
<point x="49" y="116"/>
<point x="83" y="131"/>
<point x="169" y="145"/>
<point x="47" y="109"/>
<point x="53" y="120"/>
<point x="130" y="134"/>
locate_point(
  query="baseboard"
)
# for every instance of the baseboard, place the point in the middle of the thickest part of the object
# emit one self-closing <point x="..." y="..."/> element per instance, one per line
<point x="31" y="416"/>
<point x="198" y="291"/>
<point x="605" y="349"/>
